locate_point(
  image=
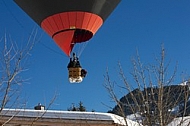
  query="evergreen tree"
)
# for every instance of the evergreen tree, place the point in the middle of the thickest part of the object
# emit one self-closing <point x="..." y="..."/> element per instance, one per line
<point x="79" y="108"/>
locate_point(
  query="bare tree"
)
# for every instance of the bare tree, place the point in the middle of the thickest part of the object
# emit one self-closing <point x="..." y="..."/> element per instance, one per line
<point x="154" y="98"/>
<point x="13" y="62"/>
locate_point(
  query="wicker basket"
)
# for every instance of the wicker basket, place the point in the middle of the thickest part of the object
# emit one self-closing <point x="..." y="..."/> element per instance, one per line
<point x="75" y="72"/>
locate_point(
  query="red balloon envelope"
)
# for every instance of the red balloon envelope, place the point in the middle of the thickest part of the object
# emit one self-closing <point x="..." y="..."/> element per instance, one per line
<point x="69" y="21"/>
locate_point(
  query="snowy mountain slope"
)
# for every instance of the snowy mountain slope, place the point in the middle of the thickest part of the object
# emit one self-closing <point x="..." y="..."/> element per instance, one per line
<point x="185" y="121"/>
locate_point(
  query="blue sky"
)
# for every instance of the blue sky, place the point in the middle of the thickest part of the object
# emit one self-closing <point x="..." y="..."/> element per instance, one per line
<point x="135" y="24"/>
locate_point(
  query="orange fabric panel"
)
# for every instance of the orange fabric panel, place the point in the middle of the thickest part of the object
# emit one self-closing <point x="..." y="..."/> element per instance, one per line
<point x="97" y="25"/>
<point x="91" y="22"/>
<point x="86" y="19"/>
<point x="79" y="19"/>
<point x="53" y="24"/>
<point x="47" y="27"/>
<point x="72" y="19"/>
<point x="58" y="20"/>
<point x="65" y="20"/>
<point x="64" y="41"/>
<point x="61" y="27"/>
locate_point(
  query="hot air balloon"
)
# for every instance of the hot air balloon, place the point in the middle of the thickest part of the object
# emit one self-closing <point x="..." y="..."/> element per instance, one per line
<point x="69" y="21"/>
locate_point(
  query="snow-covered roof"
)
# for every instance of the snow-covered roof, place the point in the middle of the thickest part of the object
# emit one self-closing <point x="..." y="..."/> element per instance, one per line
<point x="67" y="115"/>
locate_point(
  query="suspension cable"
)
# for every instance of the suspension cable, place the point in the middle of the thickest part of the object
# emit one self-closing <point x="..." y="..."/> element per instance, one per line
<point x="82" y="47"/>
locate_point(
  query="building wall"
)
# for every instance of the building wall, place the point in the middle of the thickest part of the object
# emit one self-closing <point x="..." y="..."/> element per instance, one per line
<point x="24" y="117"/>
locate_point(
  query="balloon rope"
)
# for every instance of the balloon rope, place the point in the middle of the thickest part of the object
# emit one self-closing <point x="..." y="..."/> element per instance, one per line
<point x="83" y="46"/>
